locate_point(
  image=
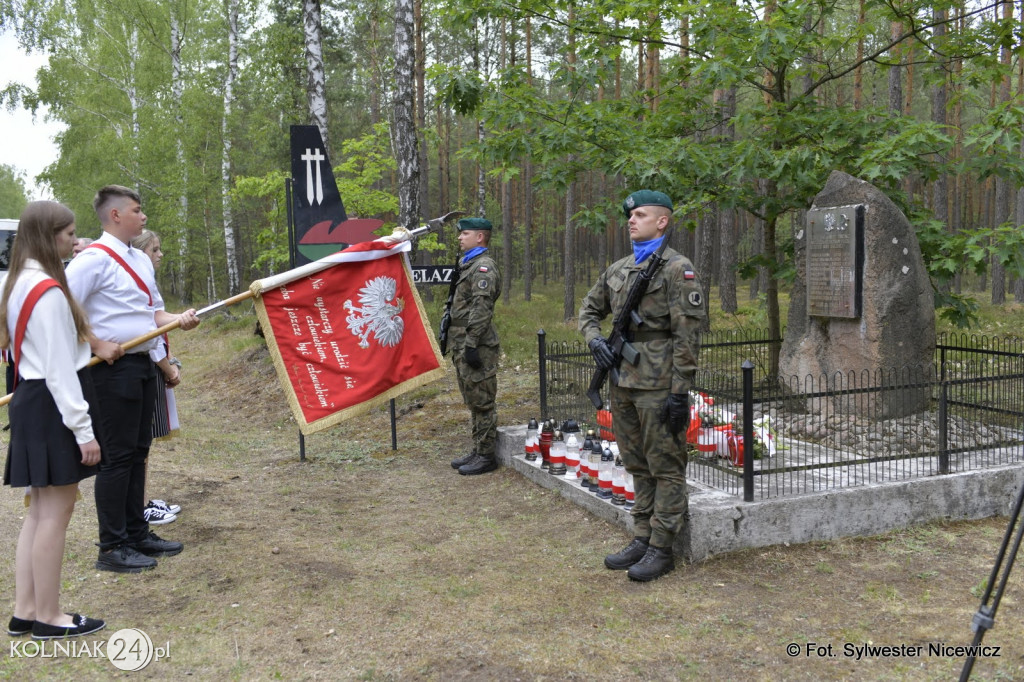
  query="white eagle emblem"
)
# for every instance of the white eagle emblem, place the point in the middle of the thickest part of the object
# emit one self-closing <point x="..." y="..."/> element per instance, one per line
<point x="378" y="315"/>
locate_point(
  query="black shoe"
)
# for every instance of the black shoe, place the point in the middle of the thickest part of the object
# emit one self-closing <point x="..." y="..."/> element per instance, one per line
<point x="19" y="626"/>
<point x="655" y="563"/>
<point x="154" y="545"/>
<point x="82" y="626"/>
<point x="633" y="553"/>
<point x="124" y="559"/>
<point x="465" y="459"/>
<point x="478" y="464"/>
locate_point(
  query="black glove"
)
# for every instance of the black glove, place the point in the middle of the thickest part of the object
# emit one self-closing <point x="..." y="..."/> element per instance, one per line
<point x="473" y="358"/>
<point x="675" y="413"/>
<point x="602" y="352"/>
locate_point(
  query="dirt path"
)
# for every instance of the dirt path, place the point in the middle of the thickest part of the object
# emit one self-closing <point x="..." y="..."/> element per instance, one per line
<point x="364" y="563"/>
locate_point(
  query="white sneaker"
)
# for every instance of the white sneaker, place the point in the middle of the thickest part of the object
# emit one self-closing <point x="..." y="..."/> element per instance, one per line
<point x="158" y="517"/>
<point x="164" y="507"/>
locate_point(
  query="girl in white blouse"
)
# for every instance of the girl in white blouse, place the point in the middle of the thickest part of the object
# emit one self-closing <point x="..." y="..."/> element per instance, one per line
<point x="52" y="445"/>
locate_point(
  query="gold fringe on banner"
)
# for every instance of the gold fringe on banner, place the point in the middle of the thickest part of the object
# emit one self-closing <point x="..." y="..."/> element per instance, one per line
<point x="308" y="428"/>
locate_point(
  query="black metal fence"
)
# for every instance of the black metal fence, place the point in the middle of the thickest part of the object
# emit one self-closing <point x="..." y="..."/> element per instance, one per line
<point x="963" y="411"/>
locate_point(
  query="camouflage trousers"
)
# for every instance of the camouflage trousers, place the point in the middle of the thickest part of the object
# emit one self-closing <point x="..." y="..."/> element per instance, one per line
<point x="657" y="463"/>
<point x="479" y="387"/>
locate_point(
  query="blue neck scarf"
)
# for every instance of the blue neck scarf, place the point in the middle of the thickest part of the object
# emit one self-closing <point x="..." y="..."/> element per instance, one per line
<point x="641" y="250"/>
<point x="473" y="253"/>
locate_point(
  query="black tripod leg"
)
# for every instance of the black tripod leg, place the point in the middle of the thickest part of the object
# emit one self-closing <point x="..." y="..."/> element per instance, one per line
<point x="984" y="619"/>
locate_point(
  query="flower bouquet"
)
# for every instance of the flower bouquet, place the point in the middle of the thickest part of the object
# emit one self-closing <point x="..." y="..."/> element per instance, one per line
<point x="710" y="426"/>
<point x="764" y="442"/>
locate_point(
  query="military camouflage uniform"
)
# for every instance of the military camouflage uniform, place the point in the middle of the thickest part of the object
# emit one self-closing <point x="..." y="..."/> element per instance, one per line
<point x="472" y="311"/>
<point x="672" y="310"/>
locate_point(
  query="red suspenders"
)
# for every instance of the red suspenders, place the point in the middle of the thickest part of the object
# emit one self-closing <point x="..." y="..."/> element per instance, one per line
<point x="123" y="264"/>
<point x="26" y="312"/>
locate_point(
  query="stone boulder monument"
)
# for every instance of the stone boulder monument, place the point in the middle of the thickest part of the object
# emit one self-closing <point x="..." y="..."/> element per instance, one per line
<point x="862" y="309"/>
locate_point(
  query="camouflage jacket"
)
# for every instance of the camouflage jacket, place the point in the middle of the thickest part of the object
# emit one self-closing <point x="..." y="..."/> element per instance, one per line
<point x="473" y="305"/>
<point x="672" y="311"/>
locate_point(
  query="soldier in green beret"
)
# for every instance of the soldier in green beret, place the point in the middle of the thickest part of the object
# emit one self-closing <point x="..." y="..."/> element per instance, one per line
<point x="473" y="342"/>
<point x="650" y="404"/>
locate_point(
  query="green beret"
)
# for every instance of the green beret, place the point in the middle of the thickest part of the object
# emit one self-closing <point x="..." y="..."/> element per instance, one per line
<point x="474" y="224"/>
<point x="645" y="197"/>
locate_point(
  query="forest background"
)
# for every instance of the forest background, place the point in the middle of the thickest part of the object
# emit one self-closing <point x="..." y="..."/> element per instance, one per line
<point x="542" y="116"/>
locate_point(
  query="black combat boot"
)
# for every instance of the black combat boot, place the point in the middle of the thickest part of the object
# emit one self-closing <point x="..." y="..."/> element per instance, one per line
<point x="633" y="553"/>
<point x="459" y="461"/>
<point x="478" y="464"/>
<point x="655" y="563"/>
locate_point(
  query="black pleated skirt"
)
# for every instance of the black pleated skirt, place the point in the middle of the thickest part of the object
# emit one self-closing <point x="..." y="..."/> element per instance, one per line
<point x="43" y="451"/>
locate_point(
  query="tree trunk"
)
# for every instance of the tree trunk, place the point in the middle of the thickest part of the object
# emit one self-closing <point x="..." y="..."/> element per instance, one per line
<point x="406" y="144"/>
<point x="316" y="78"/>
<point x="652" y="75"/>
<point x="528" y="186"/>
<point x="443" y="171"/>
<point x="1018" y="292"/>
<point x="506" y="240"/>
<point x="705" y="252"/>
<point x="230" y="251"/>
<point x="179" y="279"/>
<point x="896" y="72"/>
<point x="727" y="218"/>
<point x="481" y="177"/>
<point x="569" y="253"/>
<point x="1003" y="192"/>
<point x="421" y="114"/>
<point x="772" y="294"/>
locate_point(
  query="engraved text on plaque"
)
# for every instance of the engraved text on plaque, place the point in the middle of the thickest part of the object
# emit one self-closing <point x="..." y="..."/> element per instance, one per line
<point x="835" y="258"/>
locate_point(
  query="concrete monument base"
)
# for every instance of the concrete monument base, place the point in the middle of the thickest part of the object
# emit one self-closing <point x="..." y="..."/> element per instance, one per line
<point x="720" y="522"/>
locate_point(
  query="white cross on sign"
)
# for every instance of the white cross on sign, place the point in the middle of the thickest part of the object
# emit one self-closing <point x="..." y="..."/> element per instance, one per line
<point x="317" y="156"/>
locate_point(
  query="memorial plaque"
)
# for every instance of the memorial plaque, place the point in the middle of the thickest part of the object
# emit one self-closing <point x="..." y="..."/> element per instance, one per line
<point x="835" y="259"/>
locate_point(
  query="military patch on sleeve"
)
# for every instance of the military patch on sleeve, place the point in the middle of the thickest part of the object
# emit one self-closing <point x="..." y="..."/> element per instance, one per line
<point x="694" y="299"/>
<point x="688" y="274"/>
<point x="482" y="284"/>
<point x="483" y="268"/>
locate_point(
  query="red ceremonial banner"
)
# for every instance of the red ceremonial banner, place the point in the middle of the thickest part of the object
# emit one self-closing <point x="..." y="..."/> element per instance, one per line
<point x="349" y="337"/>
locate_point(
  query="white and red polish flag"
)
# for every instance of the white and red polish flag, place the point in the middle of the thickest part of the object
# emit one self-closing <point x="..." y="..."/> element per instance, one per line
<point x="347" y="332"/>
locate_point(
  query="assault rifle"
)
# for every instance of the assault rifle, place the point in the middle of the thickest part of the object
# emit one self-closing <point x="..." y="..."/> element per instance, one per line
<point x="621" y="336"/>
<point x="446" y="319"/>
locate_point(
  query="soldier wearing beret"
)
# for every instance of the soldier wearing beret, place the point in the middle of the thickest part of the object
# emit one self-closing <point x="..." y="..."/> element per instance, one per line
<point x="473" y="341"/>
<point x="650" y="406"/>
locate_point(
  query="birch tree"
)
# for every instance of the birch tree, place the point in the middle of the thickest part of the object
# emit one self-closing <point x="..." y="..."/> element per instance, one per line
<point x="231" y="73"/>
<point x="403" y="127"/>
<point x="316" y="88"/>
<point x="177" y="93"/>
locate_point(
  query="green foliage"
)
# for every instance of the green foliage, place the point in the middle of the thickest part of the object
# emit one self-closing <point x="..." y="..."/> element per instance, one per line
<point x="13" y="196"/>
<point x="268" y="194"/>
<point x="957" y="310"/>
<point x="367" y="160"/>
<point x="462" y="91"/>
<point x="996" y="144"/>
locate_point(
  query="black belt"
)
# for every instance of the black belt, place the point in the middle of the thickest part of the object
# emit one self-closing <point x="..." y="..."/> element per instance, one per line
<point x="642" y="335"/>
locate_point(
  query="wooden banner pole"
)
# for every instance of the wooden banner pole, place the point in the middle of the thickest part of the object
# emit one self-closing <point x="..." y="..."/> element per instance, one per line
<point x="94" y="360"/>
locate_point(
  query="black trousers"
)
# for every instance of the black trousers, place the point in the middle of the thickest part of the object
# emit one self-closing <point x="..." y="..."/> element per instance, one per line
<point x="126" y="392"/>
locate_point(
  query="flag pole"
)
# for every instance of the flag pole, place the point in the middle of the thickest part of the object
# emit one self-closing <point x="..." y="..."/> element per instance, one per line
<point x="170" y="326"/>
